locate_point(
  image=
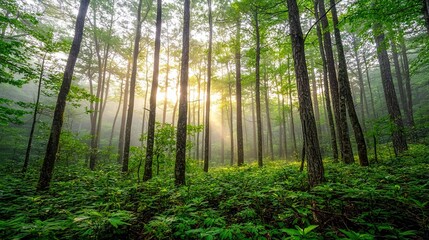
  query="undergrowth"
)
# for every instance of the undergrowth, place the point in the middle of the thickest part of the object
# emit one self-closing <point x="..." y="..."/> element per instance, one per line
<point x="389" y="199"/>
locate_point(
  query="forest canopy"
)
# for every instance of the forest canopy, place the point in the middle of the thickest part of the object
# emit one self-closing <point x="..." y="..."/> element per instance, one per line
<point x="215" y="119"/>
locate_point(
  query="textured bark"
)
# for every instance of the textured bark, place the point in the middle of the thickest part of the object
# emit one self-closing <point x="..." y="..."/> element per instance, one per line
<point x="257" y="87"/>
<point x="209" y="80"/>
<point x="338" y="101"/>
<point x="57" y="122"/>
<point x="152" y="113"/>
<point x="240" y="152"/>
<point x="183" y="105"/>
<point x="344" y="83"/>
<point x="127" y="140"/>
<point x="311" y="142"/>
<point x="328" y="111"/>
<point x="34" y="120"/>
<point x="398" y="136"/>
<point x="167" y="73"/>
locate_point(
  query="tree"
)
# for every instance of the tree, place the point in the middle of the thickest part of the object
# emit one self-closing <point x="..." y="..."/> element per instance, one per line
<point x="344" y="83"/>
<point x="183" y="104"/>
<point x="312" y="149"/>
<point x="33" y="122"/>
<point x="132" y="89"/>
<point x="57" y="122"/>
<point x="152" y="112"/>
<point x="209" y="77"/>
<point x="398" y="135"/>
<point x="237" y="48"/>
<point x="338" y="99"/>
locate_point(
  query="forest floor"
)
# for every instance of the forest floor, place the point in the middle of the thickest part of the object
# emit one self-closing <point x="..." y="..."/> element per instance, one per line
<point x="389" y="199"/>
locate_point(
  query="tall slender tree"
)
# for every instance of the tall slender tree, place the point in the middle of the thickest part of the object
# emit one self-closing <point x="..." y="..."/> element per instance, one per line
<point x="209" y="80"/>
<point x="312" y="148"/>
<point x="240" y="145"/>
<point x="344" y="83"/>
<point x="183" y="105"/>
<point x="152" y="113"/>
<point x="136" y="50"/>
<point x="57" y="122"/>
<point x="398" y="135"/>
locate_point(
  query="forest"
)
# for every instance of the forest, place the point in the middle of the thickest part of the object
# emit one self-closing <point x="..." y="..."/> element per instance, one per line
<point x="214" y="119"/>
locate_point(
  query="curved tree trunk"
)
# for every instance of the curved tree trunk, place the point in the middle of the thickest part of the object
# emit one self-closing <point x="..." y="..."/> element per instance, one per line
<point x="57" y="122"/>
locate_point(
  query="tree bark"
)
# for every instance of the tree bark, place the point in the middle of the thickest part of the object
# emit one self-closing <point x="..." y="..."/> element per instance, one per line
<point x="183" y="105"/>
<point x="127" y="141"/>
<point x="231" y="125"/>
<point x="292" y="122"/>
<point x="398" y="135"/>
<point x="152" y="113"/>
<point x="315" y="165"/>
<point x="344" y="83"/>
<point x="267" y="109"/>
<point x="338" y="101"/>
<point x="257" y="88"/>
<point x="330" y="116"/>
<point x="240" y="151"/>
<point x="33" y="122"/>
<point x="57" y="123"/>
<point x="209" y="79"/>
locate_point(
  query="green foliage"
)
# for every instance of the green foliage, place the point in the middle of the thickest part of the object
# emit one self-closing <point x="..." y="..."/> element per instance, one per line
<point x="385" y="200"/>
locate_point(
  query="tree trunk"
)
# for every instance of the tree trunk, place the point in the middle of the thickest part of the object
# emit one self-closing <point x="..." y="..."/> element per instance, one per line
<point x="398" y="135"/>
<point x="124" y="115"/>
<point x="57" y="123"/>
<point x="209" y="77"/>
<point x="164" y="112"/>
<point x="344" y="83"/>
<point x="255" y="144"/>
<point x="231" y="125"/>
<point x="410" y="117"/>
<point x="311" y="142"/>
<point x="183" y="105"/>
<point x="267" y="109"/>
<point x="33" y="122"/>
<point x="402" y="94"/>
<point x="371" y="96"/>
<point x="315" y="100"/>
<point x="292" y="122"/>
<point x="127" y="141"/>
<point x="240" y="151"/>
<point x="363" y="100"/>
<point x="121" y="91"/>
<point x="257" y="88"/>
<point x="338" y="100"/>
<point x="330" y="116"/>
<point x="152" y="113"/>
